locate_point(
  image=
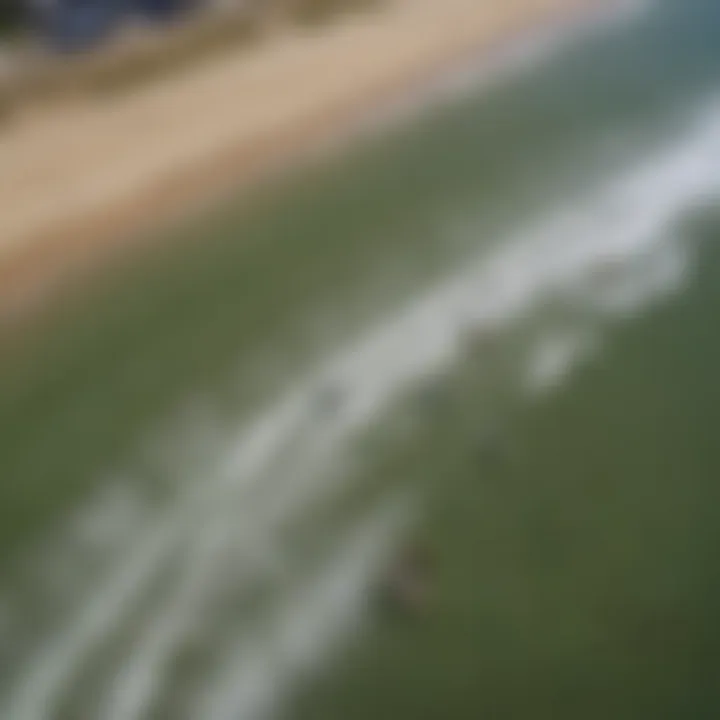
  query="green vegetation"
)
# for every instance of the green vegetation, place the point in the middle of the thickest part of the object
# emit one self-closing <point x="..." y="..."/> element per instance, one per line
<point x="128" y="62"/>
<point x="175" y="50"/>
<point x="11" y="16"/>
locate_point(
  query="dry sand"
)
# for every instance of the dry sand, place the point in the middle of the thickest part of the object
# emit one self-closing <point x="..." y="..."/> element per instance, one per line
<point x="88" y="177"/>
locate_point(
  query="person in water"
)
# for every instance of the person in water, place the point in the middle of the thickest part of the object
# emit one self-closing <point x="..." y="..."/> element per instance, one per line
<point x="408" y="584"/>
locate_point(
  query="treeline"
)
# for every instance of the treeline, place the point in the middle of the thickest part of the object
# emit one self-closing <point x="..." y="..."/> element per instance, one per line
<point x="113" y="67"/>
<point x="59" y="16"/>
<point x="12" y="15"/>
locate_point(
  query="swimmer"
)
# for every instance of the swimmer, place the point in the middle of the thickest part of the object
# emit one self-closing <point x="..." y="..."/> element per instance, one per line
<point x="407" y="586"/>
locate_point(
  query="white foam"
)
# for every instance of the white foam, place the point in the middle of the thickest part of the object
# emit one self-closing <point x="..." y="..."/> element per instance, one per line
<point x="61" y="659"/>
<point x="308" y="627"/>
<point x="110" y="517"/>
<point x="243" y="528"/>
<point x="555" y="356"/>
<point x="626" y="290"/>
<point x="141" y="678"/>
<point x="630" y="218"/>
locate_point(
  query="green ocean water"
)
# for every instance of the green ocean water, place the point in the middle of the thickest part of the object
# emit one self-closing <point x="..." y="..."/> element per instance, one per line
<point x="189" y="527"/>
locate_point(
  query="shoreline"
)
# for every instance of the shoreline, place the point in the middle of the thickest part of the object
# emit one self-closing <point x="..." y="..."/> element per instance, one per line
<point x="35" y="267"/>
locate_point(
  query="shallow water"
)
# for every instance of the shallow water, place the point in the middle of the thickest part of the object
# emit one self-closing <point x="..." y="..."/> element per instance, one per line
<point x="206" y="467"/>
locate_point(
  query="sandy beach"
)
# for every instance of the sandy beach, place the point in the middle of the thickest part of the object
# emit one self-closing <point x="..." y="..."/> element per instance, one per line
<point x="85" y="178"/>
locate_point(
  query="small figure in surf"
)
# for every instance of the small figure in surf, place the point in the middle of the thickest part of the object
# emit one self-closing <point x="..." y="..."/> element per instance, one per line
<point x="407" y="587"/>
